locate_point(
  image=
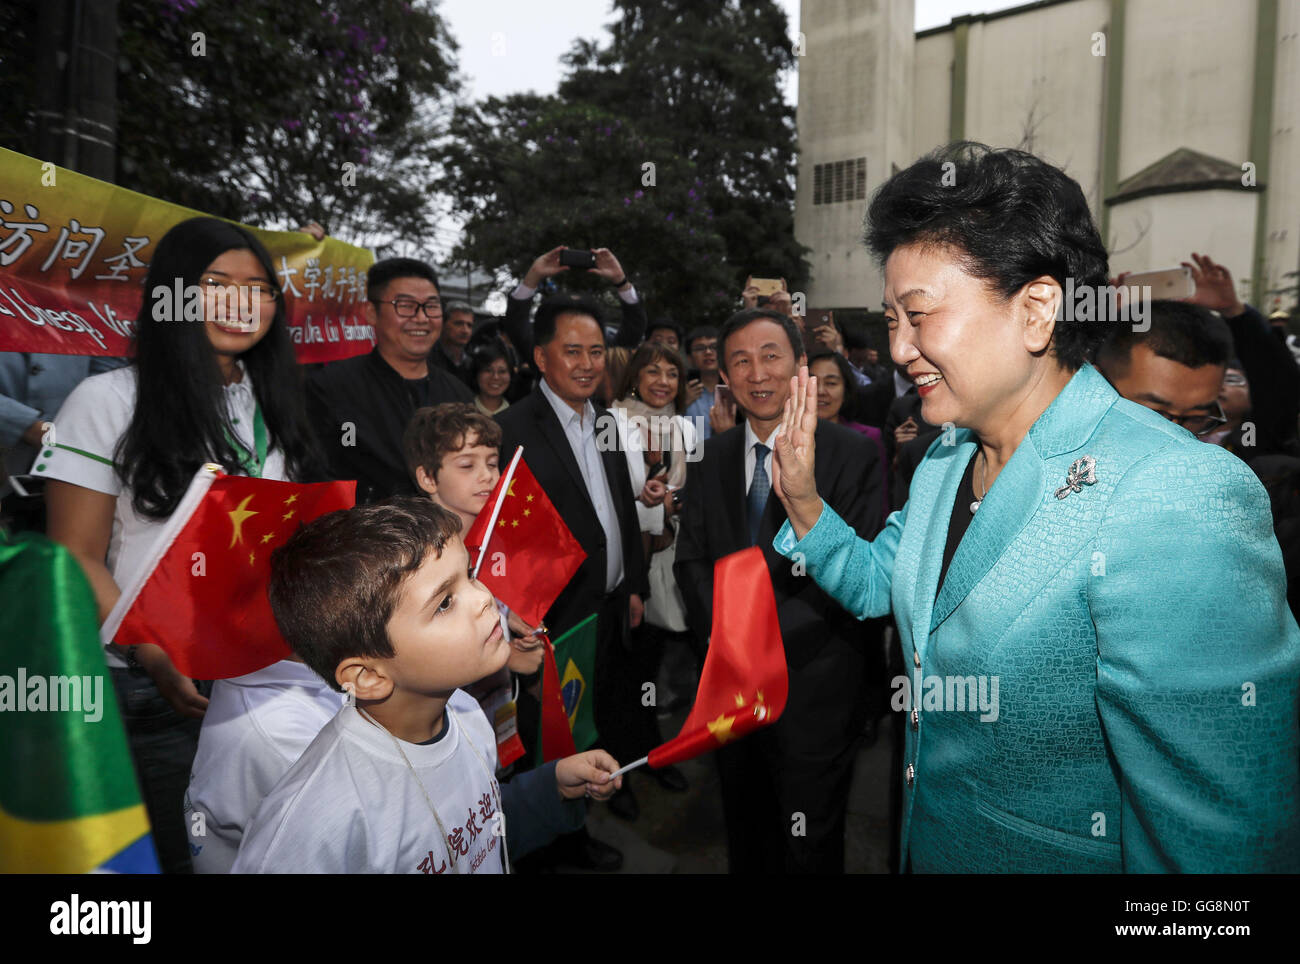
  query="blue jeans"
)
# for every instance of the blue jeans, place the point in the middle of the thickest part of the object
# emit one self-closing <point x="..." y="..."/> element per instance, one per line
<point x="162" y="745"/>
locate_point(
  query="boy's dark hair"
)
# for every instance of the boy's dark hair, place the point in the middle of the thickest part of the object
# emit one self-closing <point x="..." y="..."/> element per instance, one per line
<point x="563" y="304"/>
<point x="666" y="323"/>
<point x="647" y="353"/>
<point x="336" y="581"/>
<point x="704" y="331"/>
<point x="434" y="433"/>
<point x="747" y="317"/>
<point x="1187" y="334"/>
<point x="1011" y="216"/>
<point x="382" y="272"/>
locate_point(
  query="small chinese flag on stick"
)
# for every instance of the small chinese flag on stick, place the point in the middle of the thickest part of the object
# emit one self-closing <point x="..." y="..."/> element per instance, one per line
<point x="527" y="555"/>
<point x="744" y="683"/>
<point x="203" y="599"/>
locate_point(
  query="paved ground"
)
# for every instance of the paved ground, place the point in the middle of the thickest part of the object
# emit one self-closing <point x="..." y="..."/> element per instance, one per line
<point x="683" y="832"/>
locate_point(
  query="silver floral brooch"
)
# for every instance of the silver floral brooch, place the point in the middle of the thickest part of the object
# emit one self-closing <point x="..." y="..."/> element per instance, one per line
<point x="1082" y="472"/>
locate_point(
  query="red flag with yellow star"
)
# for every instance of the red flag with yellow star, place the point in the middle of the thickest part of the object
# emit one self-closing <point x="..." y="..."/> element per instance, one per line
<point x="744" y="683"/>
<point x="204" y="600"/>
<point x="527" y="555"/>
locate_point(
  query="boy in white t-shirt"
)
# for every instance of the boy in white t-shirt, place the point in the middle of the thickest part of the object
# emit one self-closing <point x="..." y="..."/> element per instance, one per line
<point x="255" y="728"/>
<point x="378" y="601"/>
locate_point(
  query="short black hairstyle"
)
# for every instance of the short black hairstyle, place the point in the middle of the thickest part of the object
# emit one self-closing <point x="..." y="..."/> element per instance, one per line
<point x="1012" y="217"/>
<point x="390" y="269"/>
<point x="668" y="323"/>
<point x="336" y="581"/>
<point x="854" y="339"/>
<point x="748" y="316"/>
<point x="1187" y="334"/>
<point x="703" y="331"/>
<point x="563" y="304"/>
<point x="482" y="356"/>
<point x="846" y="373"/>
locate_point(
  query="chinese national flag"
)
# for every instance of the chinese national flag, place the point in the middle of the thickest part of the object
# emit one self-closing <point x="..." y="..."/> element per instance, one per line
<point x="204" y="601"/>
<point x="744" y="684"/>
<point x="527" y="555"/>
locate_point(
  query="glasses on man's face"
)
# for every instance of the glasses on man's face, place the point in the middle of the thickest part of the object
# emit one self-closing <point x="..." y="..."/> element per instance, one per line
<point x="1234" y="380"/>
<point x="407" y="307"/>
<point x="698" y="349"/>
<point x="256" y="291"/>
<point x="1198" y="425"/>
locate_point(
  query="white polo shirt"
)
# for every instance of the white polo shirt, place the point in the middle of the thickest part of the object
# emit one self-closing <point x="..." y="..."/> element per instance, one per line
<point x="86" y="432"/>
<point x="255" y="728"/>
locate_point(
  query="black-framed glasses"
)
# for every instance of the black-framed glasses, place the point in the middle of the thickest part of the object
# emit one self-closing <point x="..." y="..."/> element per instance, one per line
<point x="407" y="307"/>
<point x="263" y="292"/>
<point x="1198" y="425"/>
<point x="704" y="347"/>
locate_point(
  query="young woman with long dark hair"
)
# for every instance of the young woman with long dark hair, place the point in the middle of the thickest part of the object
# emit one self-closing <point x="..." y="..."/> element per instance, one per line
<point x="224" y="388"/>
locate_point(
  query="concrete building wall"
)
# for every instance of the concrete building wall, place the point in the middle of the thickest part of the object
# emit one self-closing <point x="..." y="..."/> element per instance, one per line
<point x="854" y="101"/>
<point x="1171" y="226"/>
<point x="1034" y="83"/>
<point x="1032" y="79"/>
<point x="1282" y="242"/>
<point x="932" y="100"/>
<point x="1188" y="72"/>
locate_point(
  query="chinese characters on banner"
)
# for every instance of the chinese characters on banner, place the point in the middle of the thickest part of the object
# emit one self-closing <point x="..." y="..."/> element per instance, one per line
<point x="74" y="253"/>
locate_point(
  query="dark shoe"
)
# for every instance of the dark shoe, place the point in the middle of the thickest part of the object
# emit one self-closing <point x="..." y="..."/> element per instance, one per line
<point x="670" y="778"/>
<point x="623" y="804"/>
<point x="591" y="854"/>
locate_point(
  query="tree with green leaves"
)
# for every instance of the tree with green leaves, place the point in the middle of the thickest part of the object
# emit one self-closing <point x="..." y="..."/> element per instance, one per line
<point x="691" y="87"/>
<point x="532" y="172"/>
<point x="276" y="112"/>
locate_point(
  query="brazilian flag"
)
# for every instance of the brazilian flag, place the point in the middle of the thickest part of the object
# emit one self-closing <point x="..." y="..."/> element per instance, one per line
<point x="68" y="797"/>
<point x="575" y="661"/>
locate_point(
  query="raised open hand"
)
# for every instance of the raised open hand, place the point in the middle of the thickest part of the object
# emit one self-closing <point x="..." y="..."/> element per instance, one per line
<point x="794" y="455"/>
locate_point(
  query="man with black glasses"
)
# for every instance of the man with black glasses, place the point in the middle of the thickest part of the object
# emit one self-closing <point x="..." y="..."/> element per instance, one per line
<point x="360" y="406"/>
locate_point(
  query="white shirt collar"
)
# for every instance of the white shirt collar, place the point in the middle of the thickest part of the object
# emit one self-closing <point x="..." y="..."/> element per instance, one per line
<point x="751" y="439"/>
<point x="563" y="411"/>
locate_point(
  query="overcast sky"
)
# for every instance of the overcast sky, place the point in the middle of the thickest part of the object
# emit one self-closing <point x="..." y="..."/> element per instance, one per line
<point x="507" y="46"/>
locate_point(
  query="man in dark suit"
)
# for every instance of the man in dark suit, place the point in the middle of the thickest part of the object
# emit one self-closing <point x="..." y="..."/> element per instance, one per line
<point x="359" y="407"/>
<point x="784" y="788"/>
<point x="560" y="429"/>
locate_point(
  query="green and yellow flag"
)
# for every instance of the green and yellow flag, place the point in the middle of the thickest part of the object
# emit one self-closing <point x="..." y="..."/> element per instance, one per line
<point x="68" y="796"/>
<point x="575" y="663"/>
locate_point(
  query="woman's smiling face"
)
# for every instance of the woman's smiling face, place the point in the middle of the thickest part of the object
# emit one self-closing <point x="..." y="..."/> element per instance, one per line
<point x="970" y="353"/>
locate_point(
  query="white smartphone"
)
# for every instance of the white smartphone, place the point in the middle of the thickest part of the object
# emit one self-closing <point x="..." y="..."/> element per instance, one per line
<point x="1170" y="283"/>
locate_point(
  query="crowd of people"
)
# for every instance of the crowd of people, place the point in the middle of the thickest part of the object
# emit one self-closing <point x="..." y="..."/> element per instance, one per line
<point x="396" y="648"/>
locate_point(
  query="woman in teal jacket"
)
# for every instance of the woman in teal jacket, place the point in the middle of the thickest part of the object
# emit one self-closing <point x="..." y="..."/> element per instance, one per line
<point x="1091" y="602"/>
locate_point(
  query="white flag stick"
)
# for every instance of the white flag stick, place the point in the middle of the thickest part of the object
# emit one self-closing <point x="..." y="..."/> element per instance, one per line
<point x="496" y="509"/>
<point x="630" y="766"/>
<point x="199" y="486"/>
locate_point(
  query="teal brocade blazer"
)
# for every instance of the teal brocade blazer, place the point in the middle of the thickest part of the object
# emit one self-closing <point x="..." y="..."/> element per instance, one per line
<point x="1144" y="716"/>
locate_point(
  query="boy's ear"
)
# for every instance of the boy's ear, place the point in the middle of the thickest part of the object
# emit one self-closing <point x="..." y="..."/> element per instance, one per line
<point x="363" y="679"/>
<point x="426" y="481"/>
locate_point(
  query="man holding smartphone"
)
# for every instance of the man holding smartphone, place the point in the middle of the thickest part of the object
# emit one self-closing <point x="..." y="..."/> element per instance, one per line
<point x="598" y="261"/>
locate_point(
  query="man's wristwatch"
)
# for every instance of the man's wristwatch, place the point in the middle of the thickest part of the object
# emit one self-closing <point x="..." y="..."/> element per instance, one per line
<point x="132" y="657"/>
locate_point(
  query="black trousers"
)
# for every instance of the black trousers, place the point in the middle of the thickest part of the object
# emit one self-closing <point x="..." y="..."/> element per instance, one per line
<point x="625" y="711"/>
<point x="785" y="788"/>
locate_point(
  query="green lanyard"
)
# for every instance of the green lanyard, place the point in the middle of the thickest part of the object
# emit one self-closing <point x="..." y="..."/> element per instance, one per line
<point x="253" y="462"/>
